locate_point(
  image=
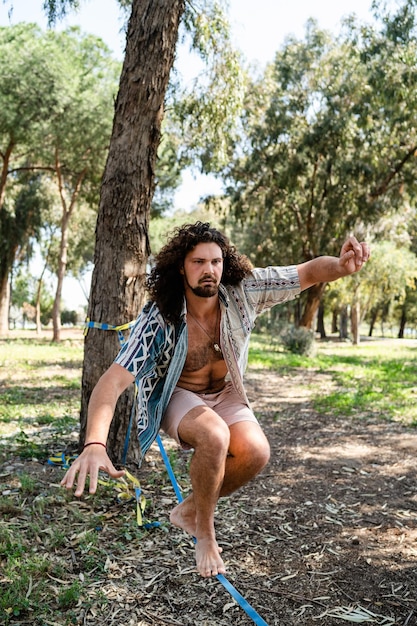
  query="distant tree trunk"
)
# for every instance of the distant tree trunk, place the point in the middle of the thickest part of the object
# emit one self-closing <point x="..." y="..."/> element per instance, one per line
<point x="4" y="305"/>
<point x="62" y="268"/>
<point x="374" y="315"/>
<point x="312" y="304"/>
<point x="320" y="321"/>
<point x="344" y="317"/>
<point x="38" y="297"/>
<point x="122" y="246"/>
<point x="335" y="315"/>
<point x="354" y="321"/>
<point x="403" y="322"/>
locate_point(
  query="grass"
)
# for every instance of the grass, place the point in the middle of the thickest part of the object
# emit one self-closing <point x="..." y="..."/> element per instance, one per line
<point x="375" y="378"/>
<point x="40" y="384"/>
<point x="52" y="556"/>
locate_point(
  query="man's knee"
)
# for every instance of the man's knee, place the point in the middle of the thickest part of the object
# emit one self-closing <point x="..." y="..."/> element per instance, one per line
<point x="204" y="428"/>
<point x="253" y="446"/>
<point x="260" y="452"/>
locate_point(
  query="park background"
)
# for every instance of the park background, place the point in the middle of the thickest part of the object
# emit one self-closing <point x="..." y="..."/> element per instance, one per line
<point x="328" y="533"/>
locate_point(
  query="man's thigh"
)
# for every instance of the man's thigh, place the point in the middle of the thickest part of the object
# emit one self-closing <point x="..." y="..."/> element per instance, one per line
<point x="226" y="404"/>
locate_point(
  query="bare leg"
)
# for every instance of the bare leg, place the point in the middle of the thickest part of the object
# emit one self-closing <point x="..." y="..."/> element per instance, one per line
<point x="219" y="467"/>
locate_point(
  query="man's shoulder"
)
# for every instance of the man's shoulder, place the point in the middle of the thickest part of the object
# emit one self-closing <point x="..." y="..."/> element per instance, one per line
<point x="151" y="316"/>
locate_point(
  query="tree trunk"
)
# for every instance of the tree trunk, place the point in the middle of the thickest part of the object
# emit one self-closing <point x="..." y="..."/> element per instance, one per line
<point x="312" y="304"/>
<point x="122" y="245"/>
<point x="355" y="321"/>
<point x="403" y="322"/>
<point x="320" y="321"/>
<point x="4" y="305"/>
<point x="335" y="315"/>
<point x="62" y="268"/>
<point x="373" y="318"/>
<point x="344" y="317"/>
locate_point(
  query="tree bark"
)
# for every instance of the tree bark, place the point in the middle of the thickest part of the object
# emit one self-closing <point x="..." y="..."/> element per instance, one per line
<point x="335" y="315"/>
<point x="344" y="317"/>
<point x="314" y="295"/>
<point x="373" y="318"/>
<point x="122" y="245"/>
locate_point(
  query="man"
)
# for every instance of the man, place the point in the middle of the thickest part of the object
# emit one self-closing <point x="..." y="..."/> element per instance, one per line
<point x="187" y="354"/>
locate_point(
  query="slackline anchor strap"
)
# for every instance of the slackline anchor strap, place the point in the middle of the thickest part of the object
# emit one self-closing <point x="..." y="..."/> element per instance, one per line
<point x="243" y="603"/>
<point x="102" y="326"/>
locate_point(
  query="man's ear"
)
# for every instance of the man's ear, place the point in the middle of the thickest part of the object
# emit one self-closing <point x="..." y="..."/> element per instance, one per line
<point x="182" y="270"/>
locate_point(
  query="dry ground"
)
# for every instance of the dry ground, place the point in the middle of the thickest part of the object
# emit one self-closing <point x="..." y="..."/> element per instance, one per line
<point x="327" y="534"/>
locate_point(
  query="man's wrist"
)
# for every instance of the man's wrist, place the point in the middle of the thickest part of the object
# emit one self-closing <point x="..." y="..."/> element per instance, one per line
<point x="94" y="443"/>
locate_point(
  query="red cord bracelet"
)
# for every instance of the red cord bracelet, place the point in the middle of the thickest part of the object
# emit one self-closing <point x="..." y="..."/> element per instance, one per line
<point x="95" y="443"/>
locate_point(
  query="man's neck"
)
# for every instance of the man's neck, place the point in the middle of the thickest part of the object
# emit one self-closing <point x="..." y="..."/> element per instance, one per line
<point x="200" y="307"/>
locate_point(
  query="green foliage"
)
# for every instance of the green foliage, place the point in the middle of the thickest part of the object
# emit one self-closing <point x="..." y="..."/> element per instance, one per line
<point x="58" y="9"/>
<point x="69" y="317"/>
<point x="328" y="141"/>
<point x="161" y="228"/>
<point x="56" y="111"/>
<point x="383" y="284"/>
<point x="299" y="340"/>
<point x="206" y="113"/>
<point x="29" y="87"/>
<point x="20" y="220"/>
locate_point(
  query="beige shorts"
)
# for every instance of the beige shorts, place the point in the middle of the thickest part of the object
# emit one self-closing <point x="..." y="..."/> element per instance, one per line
<point x="226" y="403"/>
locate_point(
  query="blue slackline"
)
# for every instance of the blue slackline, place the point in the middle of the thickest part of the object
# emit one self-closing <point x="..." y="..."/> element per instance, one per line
<point x="244" y="604"/>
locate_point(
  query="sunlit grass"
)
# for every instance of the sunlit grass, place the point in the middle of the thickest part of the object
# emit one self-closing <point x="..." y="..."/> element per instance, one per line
<point x="375" y="378"/>
<point x="40" y="383"/>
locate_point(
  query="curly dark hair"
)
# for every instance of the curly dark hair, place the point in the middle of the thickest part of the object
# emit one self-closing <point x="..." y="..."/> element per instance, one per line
<point x="165" y="282"/>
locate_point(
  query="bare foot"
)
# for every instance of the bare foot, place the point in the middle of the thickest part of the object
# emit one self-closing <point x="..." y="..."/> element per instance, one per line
<point x="183" y="516"/>
<point x="208" y="551"/>
<point x="208" y="560"/>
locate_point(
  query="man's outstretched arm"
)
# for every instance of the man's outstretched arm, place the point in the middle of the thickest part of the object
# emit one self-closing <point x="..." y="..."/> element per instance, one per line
<point x="325" y="269"/>
<point x="100" y="414"/>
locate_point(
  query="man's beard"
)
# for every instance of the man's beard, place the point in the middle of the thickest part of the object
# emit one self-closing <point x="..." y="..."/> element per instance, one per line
<point x="207" y="290"/>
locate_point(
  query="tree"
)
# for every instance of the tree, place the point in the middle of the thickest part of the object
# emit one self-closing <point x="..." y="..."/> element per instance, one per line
<point x="392" y="271"/>
<point x="327" y="148"/>
<point x="28" y="99"/>
<point x="122" y="244"/>
<point x="79" y="135"/>
<point x="20" y="219"/>
<point x="128" y="184"/>
<point x="63" y="133"/>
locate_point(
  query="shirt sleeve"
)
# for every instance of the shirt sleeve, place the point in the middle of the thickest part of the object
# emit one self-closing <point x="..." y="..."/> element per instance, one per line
<point x="265" y="287"/>
<point x="140" y="353"/>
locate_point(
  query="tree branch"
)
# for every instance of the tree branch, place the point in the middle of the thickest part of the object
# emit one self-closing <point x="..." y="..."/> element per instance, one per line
<point x="382" y="188"/>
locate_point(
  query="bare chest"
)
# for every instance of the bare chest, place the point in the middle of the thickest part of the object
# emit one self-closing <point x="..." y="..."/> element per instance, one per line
<point x="204" y="369"/>
<point x="202" y="351"/>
